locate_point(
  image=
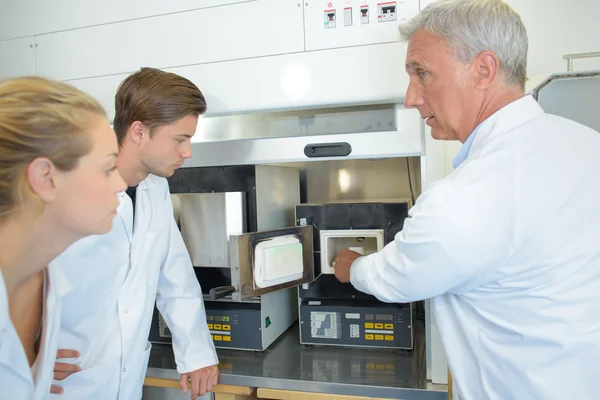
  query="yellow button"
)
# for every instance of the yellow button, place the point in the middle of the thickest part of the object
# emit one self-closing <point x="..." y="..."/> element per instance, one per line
<point x="227" y="338"/>
<point x="369" y="325"/>
<point x="210" y="326"/>
<point x="389" y="326"/>
<point x="217" y="327"/>
<point x="378" y="337"/>
<point x="378" y="326"/>
<point x="218" y="338"/>
<point x="226" y="327"/>
<point x="379" y="367"/>
<point x="369" y="337"/>
<point x="389" y="338"/>
<point x="370" y="366"/>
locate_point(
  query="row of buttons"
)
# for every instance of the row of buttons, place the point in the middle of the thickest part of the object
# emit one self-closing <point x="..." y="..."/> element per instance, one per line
<point x="219" y="327"/>
<point x="370" y="325"/>
<point x="218" y="338"/>
<point x="389" y="338"/>
<point x="355" y="331"/>
<point x="380" y="367"/>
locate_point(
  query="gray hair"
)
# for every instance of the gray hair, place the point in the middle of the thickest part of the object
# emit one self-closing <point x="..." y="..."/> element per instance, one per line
<point x="474" y="26"/>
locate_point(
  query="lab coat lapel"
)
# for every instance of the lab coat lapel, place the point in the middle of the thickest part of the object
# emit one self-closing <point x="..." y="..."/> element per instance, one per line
<point x="11" y="358"/>
<point x="125" y="212"/>
<point x="143" y="207"/>
<point x="143" y="212"/>
<point x="58" y="287"/>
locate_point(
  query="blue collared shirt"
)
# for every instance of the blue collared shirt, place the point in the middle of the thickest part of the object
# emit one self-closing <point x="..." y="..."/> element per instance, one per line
<point x="463" y="153"/>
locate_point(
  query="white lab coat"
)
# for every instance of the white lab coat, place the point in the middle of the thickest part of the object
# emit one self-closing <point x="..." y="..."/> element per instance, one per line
<point x="509" y="247"/>
<point x="16" y="379"/>
<point x="117" y="278"/>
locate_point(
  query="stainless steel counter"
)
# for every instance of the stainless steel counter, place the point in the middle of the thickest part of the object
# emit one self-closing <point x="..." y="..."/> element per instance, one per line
<point x="289" y="365"/>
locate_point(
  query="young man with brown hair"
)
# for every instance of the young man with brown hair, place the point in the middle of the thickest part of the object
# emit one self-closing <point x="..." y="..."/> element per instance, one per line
<point x="143" y="259"/>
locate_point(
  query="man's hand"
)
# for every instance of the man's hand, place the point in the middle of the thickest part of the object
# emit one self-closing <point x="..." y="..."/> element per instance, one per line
<point x="63" y="370"/>
<point x="203" y="380"/>
<point x="342" y="264"/>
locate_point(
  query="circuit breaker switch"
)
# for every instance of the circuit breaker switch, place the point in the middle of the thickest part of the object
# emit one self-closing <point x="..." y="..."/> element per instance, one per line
<point x="387" y="11"/>
<point x="330" y="19"/>
<point x="364" y="14"/>
<point x="348" y="16"/>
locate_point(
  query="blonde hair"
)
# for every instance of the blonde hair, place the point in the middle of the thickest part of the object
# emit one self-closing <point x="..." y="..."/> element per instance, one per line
<point x="40" y="118"/>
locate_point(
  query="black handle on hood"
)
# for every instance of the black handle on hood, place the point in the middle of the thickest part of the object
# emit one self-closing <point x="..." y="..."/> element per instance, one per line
<point x="221" y="291"/>
<point x="340" y="149"/>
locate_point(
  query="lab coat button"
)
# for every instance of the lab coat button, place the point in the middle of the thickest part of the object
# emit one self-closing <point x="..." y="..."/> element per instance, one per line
<point x="125" y="311"/>
<point x="124" y="369"/>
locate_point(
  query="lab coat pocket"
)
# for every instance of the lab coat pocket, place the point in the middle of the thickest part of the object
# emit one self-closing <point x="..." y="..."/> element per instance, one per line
<point x="144" y="358"/>
<point x="86" y="384"/>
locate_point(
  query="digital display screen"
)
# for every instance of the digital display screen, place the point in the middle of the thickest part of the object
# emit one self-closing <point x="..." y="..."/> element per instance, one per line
<point x="325" y="325"/>
<point x="222" y="318"/>
<point x="384" y="317"/>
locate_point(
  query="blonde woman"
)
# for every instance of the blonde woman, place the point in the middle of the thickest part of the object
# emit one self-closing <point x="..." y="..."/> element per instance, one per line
<point x="58" y="183"/>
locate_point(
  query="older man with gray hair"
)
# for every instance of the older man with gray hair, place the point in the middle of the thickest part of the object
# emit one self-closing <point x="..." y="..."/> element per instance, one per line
<point x="508" y="245"/>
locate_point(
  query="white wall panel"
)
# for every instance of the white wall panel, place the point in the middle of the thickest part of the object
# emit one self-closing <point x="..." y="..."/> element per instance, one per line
<point x="102" y="89"/>
<point x="17" y="58"/>
<point x="303" y="80"/>
<point x="32" y="17"/>
<point x="237" y="31"/>
<point x="557" y="27"/>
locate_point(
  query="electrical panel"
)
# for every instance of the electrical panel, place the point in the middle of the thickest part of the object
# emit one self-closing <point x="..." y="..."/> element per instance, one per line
<point x="346" y="23"/>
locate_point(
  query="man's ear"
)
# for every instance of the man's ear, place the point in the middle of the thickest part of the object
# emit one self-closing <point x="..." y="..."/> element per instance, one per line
<point x="42" y="179"/>
<point x="137" y="132"/>
<point x="487" y="67"/>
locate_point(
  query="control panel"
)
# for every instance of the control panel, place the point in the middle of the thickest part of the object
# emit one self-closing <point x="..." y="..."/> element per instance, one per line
<point x="235" y="329"/>
<point x="357" y="326"/>
<point x="220" y="327"/>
